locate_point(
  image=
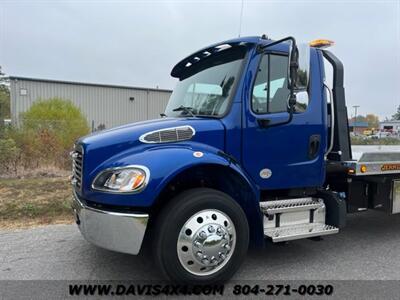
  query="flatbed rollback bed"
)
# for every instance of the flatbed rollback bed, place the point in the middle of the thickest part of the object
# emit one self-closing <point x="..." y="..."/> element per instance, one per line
<point x="374" y="181"/>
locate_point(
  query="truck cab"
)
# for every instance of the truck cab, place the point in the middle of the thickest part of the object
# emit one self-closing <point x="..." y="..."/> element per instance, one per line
<point x="253" y="145"/>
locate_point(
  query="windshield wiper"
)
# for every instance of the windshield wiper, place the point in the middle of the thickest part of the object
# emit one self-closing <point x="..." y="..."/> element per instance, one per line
<point x="186" y="109"/>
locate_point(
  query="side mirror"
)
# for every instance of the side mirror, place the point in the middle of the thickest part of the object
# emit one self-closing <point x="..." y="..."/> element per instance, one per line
<point x="293" y="66"/>
<point x="301" y="101"/>
<point x="303" y="70"/>
<point x="299" y="67"/>
<point x="298" y="72"/>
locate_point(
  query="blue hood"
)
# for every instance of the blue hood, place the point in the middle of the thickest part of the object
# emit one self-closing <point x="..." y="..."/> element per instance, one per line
<point x="102" y="146"/>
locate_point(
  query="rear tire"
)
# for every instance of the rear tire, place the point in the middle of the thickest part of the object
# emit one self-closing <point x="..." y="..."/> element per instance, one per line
<point x="201" y="236"/>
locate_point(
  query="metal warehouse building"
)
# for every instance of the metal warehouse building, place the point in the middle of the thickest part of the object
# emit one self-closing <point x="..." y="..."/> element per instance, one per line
<point x="104" y="105"/>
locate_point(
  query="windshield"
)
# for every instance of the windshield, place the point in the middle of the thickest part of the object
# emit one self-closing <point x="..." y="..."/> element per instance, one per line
<point x="206" y="88"/>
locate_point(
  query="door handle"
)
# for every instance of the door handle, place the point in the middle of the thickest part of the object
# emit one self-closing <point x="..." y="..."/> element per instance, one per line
<point x="314" y="145"/>
<point x="263" y="123"/>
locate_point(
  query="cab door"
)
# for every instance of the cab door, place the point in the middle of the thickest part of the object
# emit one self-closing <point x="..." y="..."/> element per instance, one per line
<point x="289" y="155"/>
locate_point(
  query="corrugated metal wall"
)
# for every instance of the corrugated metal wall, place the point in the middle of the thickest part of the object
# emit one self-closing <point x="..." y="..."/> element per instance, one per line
<point x="108" y="105"/>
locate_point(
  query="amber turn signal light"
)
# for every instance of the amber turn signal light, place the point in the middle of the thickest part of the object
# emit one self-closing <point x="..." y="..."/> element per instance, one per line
<point x="363" y="168"/>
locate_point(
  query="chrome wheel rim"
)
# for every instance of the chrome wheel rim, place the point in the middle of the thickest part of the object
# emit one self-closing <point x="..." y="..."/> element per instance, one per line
<point x="206" y="242"/>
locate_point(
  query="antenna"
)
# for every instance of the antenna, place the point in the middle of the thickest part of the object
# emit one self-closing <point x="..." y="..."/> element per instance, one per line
<point x="240" y="19"/>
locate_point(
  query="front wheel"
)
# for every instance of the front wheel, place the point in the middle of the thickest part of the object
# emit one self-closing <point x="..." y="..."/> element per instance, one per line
<point x="201" y="236"/>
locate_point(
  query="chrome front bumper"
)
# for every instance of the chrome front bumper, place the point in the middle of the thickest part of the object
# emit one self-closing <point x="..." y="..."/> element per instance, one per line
<point x="120" y="232"/>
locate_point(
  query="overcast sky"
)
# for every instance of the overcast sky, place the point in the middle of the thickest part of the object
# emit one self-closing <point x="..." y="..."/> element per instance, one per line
<point x="138" y="42"/>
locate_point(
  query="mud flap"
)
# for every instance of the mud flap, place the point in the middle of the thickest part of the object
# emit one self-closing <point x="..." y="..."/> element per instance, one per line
<point x="336" y="211"/>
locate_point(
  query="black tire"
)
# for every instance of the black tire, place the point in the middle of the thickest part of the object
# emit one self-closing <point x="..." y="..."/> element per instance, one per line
<point x="173" y="217"/>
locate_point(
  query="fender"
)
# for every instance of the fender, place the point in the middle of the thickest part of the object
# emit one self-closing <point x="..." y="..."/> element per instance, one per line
<point x="167" y="161"/>
<point x="164" y="162"/>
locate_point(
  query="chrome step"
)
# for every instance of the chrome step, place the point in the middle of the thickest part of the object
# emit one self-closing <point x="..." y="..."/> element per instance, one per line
<point x="290" y="205"/>
<point x="291" y="219"/>
<point x="288" y="233"/>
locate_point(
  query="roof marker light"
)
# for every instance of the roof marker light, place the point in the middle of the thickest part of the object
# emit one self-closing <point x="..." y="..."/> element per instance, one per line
<point x="222" y="47"/>
<point x="322" y="44"/>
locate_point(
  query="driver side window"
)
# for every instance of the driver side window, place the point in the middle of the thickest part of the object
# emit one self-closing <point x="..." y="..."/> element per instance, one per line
<point x="270" y="91"/>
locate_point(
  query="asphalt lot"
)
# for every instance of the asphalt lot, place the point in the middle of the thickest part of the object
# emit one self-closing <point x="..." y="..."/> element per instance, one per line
<point x="368" y="248"/>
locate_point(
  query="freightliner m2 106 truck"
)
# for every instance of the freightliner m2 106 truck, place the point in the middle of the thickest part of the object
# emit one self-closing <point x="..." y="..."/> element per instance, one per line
<point x="253" y="145"/>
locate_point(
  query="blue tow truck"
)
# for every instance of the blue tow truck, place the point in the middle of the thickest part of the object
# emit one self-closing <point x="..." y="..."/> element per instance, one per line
<point x="253" y="145"/>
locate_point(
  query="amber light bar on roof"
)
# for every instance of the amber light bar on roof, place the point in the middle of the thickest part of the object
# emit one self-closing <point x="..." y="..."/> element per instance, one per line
<point x="322" y="44"/>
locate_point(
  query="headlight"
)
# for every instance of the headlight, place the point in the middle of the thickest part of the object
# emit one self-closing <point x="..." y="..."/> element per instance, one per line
<point x="122" y="180"/>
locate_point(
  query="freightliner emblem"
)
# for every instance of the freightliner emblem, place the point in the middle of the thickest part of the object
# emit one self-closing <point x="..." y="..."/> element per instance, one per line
<point x="265" y="173"/>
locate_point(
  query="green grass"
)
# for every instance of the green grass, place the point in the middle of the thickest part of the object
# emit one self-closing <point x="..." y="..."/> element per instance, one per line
<point x="34" y="201"/>
<point x="355" y="140"/>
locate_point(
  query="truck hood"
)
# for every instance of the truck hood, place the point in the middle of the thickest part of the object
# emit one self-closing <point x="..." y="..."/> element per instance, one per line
<point x="101" y="146"/>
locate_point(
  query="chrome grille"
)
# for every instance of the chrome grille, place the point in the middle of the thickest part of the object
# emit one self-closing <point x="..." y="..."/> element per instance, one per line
<point x="184" y="134"/>
<point x="77" y="167"/>
<point x="152" y="137"/>
<point x="168" y="135"/>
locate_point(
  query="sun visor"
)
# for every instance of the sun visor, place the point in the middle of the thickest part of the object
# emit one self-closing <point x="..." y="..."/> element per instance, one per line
<point x="204" y="54"/>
